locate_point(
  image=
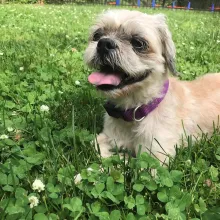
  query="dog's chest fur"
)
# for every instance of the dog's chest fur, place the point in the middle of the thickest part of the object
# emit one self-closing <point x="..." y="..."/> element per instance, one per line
<point x="155" y="129"/>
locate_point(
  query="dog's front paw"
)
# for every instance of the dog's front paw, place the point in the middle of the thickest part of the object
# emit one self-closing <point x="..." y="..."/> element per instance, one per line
<point x="103" y="144"/>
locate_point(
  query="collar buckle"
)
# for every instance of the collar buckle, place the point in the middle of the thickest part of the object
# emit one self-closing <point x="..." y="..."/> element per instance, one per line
<point x="134" y="115"/>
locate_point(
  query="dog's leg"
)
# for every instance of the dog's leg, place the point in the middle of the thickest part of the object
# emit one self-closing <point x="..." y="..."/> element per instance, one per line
<point x="164" y="159"/>
<point x="155" y="151"/>
<point x="104" y="145"/>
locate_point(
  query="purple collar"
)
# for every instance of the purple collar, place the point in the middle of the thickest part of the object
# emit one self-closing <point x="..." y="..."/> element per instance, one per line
<point x="138" y="113"/>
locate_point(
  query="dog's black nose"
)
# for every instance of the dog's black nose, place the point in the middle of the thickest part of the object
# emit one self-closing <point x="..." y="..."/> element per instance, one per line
<point x="106" y="45"/>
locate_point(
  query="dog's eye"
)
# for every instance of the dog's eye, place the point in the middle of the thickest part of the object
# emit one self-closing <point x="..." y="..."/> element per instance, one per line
<point x="97" y="35"/>
<point x="138" y="44"/>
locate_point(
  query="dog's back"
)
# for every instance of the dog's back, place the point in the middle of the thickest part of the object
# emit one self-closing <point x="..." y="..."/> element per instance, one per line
<point x="198" y="102"/>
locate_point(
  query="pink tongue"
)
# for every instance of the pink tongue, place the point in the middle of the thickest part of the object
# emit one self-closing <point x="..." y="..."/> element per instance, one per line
<point x="99" y="79"/>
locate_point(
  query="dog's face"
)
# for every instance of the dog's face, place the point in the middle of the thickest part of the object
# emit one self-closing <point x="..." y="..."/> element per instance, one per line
<point x="129" y="49"/>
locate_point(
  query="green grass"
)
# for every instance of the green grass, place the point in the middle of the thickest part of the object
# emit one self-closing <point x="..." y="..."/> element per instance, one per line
<point x="38" y="66"/>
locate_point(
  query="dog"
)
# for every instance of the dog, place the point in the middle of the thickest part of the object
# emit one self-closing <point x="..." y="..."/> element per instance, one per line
<point x="133" y="54"/>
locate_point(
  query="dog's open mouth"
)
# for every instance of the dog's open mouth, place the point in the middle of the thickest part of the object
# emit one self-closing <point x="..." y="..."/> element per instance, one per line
<point x="108" y="79"/>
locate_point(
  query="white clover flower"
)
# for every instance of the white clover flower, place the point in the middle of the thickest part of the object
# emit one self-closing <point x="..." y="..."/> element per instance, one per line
<point x="77" y="82"/>
<point x="14" y="113"/>
<point x="77" y="178"/>
<point x="89" y="169"/>
<point x="192" y="48"/>
<point x="218" y="41"/>
<point x="1" y="54"/>
<point x="33" y="201"/>
<point x="60" y="92"/>
<point x="10" y="129"/>
<point x="38" y="185"/>
<point x="44" y="108"/>
<point x="67" y="36"/>
<point x="188" y="163"/>
<point x="21" y="68"/>
<point x="3" y="136"/>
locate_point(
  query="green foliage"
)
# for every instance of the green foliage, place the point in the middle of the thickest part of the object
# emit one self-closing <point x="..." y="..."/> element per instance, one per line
<point x="41" y="57"/>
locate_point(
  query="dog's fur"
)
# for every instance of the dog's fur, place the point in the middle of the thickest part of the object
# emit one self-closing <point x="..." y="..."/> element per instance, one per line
<point x="189" y="103"/>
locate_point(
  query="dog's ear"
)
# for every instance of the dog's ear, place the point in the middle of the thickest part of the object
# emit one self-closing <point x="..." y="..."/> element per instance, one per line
<point x="169" y="50"/>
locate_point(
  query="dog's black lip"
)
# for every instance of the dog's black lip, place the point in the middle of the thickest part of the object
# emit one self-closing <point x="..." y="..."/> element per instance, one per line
<point x="126" y="80"/>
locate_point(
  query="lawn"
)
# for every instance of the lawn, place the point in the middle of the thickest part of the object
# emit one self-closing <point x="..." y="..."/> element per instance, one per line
<point x="49" y="114"/>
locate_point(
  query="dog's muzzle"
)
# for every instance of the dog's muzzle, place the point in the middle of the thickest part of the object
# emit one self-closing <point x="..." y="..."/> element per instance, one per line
<point x="110" y="74"/>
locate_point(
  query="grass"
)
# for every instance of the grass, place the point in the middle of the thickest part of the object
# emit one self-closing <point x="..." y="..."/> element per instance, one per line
<point x="41" y="63"/>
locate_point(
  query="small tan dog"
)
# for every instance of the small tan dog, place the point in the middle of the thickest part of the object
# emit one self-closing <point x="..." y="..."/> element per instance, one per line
<point x="133" y="53"/>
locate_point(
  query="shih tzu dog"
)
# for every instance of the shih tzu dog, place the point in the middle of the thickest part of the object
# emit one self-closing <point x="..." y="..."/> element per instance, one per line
<point x="133" y="54"/>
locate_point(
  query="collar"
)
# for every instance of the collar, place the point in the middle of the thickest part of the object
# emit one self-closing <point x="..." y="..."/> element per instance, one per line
<point x="138" y="113"/>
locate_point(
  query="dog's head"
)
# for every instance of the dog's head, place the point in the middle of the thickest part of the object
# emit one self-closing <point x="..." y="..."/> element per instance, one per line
<point x="129" y="50"/>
